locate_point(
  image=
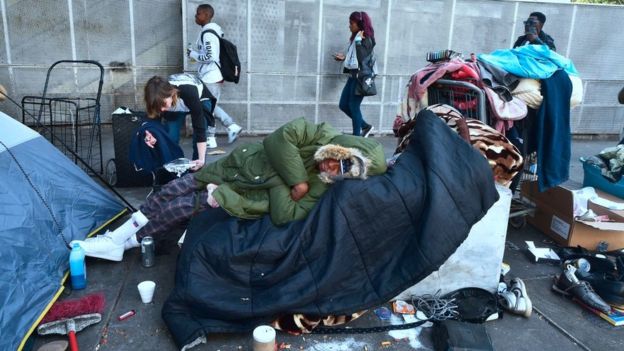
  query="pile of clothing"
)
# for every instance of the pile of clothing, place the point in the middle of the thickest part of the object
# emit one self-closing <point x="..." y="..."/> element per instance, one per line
<point x="610" y="161"/>
<point x="531" y="81"/>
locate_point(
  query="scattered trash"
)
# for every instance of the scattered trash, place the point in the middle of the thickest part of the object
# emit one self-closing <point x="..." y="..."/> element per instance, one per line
<point x="148" y="252"/>
<point x="581" y="264"/>
<point x="126" y="315"/>
<point x="386" y="343"/>
<point x="542" y="254"/>
<point x="383" y="313"/>
<point x="410" y="318"/>
<point x="400" y="306"/>
<point x="264" y="338"/>
<point x="215" y="152"/>
<point x="181" y="240"/>
<point x="505" y="268"/>
<point x="283" y="346"/>
<point x="602" y="246"/>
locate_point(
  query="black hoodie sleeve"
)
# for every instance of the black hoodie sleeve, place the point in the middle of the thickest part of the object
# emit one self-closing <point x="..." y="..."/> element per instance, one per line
<point x="188" y="94"/>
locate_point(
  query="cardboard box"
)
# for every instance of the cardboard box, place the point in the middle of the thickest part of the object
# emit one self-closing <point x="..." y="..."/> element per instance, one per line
<point x="554" y="216"/>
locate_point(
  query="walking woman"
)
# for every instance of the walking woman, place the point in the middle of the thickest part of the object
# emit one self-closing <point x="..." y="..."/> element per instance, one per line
<point x="361" y="45"/>
<point x="176" y="97"/>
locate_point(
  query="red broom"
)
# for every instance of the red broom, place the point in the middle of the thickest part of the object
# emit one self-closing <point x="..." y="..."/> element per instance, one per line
<point x="71" y="316"/>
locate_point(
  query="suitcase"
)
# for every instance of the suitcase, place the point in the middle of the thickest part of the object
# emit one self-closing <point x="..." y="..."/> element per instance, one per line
<point x="124" y="127"/>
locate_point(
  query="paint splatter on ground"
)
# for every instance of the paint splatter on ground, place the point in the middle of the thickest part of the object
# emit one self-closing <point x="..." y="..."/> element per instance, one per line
<point x="343" y="345"/>
<point x="410" y="334"/>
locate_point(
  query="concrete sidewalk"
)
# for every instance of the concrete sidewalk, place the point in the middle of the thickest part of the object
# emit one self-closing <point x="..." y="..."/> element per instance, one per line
<point x="556" y="323"/>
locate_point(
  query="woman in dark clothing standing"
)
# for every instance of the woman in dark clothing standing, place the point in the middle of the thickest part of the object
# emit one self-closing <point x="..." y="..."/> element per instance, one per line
<point x="176" y="97"/>
<point x="361" y="45"/>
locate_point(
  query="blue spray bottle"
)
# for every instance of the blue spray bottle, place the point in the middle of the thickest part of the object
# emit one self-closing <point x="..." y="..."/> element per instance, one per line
<point x="77" y="267"/>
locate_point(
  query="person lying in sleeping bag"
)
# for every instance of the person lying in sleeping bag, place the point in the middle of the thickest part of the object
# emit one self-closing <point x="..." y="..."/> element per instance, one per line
<point x="284" y="176"/>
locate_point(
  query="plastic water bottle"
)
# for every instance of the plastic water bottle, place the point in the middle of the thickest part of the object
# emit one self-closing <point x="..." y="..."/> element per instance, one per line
<point x="189" y="47"/>
<point x="78" y="267"/>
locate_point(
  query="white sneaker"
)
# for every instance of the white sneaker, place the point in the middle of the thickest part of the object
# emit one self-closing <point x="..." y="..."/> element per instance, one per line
<point x="131" y="243"/>
<point x="211" y="142"/>
<point x="515" y="298"/>
<point x="233" y="132"/>
<point x="101" y="246"/>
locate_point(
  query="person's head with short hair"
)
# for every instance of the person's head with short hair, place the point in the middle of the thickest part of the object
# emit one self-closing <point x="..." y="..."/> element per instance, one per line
<point x="539" y="16"/>
<point x="337" y="162"/>
<point x="204" y="14"/>
<point x="159" y="96"/>
<point x="536" y="19"/>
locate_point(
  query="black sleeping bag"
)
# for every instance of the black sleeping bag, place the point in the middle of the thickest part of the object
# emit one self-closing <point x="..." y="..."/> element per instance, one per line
<point x="364" y="243"/>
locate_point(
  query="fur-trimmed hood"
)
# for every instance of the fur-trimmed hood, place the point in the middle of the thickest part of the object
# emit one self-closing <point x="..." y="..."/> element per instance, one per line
<point x="359" y="163"/>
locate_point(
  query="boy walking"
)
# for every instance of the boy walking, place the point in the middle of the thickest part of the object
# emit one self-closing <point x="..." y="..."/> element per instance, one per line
<point x="206" y="52"/>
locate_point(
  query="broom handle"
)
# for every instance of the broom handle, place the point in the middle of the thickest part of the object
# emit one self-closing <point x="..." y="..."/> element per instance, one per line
<point x="73" y="342"/>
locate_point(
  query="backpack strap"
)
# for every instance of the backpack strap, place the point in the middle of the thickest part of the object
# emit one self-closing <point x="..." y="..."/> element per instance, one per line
<point x="218" y="37"/>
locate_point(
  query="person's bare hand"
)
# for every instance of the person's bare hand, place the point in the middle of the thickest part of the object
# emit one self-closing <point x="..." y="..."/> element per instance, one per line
<point x="531" y="37"/>
<point x="212" y="202"/>
<point x="339" y="56"/>
<point x="197" y="164"/>
<point x="150" y="140"/>
<point x="361" y="34"/>
<point x="298" y="191"/>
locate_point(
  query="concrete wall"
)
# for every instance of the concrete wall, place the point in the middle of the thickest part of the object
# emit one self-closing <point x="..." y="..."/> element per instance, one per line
<point x="285" y="48"/>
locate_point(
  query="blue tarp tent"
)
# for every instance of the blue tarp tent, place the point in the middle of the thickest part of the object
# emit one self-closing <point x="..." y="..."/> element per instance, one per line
<point x="45" y="202"/>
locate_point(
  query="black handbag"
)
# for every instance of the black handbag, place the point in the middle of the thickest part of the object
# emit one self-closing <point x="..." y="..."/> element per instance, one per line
<point x="366" y="77"/>
<point x="366" y="85"/>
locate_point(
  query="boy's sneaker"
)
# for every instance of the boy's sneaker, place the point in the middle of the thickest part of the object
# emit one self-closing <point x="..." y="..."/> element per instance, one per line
<point x="211" y="142"/>
<point x="569" y="285"/>
<point x="515" y="299"/>
<point x="233" y="132"/>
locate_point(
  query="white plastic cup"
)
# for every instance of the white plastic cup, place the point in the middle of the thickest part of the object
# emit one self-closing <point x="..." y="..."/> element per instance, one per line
<point x="264" y="338"/>
<point x="146" y="290"/>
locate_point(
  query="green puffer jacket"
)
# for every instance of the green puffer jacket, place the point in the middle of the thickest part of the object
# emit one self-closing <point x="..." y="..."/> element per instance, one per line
<point x="255" y="179"/>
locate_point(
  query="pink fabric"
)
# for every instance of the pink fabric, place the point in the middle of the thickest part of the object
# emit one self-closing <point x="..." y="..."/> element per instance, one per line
<point x="504" y="112"/>
<point x="418" y="86"/>
<point x="437" y="70"/>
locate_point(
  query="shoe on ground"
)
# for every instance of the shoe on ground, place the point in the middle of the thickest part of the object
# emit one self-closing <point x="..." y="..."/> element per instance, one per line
<point x="515" y="299"/>
<point x="367" y="130"/>
<point x="569" y="285"/>
<point x="233" y="132"/>
<point x="101" y="246"/>
<point x="605" y="285"/>
<point x="211" y="142"/>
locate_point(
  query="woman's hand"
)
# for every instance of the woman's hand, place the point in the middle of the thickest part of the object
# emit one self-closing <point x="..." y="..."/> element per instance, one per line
<point x="298" y="191"/>
<point x="338" y="56"/>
